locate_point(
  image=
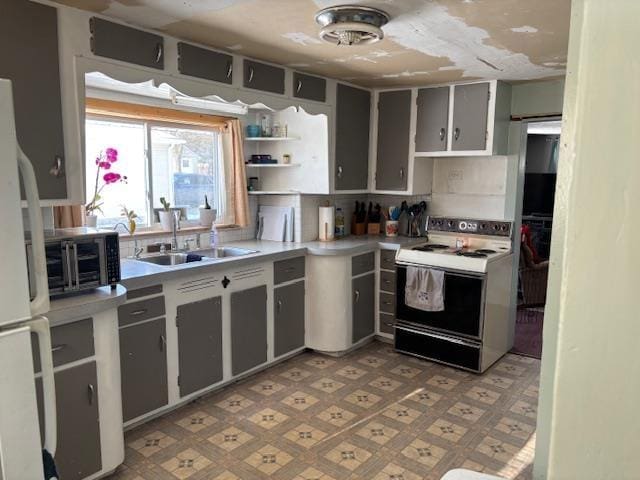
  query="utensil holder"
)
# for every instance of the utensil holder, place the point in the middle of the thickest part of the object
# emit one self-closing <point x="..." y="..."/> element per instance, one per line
<point x="373" y="229"/>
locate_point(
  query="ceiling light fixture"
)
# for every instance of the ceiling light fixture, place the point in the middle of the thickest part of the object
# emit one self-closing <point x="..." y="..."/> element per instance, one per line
<point x="351" y="24"/>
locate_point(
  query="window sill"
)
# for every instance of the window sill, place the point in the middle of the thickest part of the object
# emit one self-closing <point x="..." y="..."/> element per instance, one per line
<point x="145" y="232"/>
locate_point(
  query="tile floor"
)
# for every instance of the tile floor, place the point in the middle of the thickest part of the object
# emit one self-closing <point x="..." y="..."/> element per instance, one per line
<point x="373" y="414"/>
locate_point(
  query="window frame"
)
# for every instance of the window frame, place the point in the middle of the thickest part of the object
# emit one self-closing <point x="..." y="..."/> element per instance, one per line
<point x="147" y="126"/>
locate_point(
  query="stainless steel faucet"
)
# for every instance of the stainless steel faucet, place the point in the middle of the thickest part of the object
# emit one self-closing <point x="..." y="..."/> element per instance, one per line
<point x="175" y="228"/>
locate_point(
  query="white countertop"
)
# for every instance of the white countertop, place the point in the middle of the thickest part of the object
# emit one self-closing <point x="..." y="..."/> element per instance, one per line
<point x="136" y="273"/>
<point x="85" y="304"/>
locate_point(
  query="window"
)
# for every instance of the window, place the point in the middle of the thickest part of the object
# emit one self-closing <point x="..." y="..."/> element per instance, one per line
<point x="179" y="162"/>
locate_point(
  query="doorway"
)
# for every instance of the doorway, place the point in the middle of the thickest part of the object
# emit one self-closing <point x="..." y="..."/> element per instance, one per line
<point x="541" y="165"/>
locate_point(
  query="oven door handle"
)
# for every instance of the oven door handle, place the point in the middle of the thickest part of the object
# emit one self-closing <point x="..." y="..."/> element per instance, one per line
<point x="76" y="264"/>
<point x="435" y="335"/>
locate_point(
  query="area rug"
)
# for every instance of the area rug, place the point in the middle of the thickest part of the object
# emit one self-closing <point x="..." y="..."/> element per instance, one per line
<point x="528" y="336"/>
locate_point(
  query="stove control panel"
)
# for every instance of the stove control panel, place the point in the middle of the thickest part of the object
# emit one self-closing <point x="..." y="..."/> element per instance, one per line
<point x="468" y="225"/>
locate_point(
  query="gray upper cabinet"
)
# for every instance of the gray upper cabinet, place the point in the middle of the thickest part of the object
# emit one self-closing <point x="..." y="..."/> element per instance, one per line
<point x="29" y="58"/>
<point x="288" y="305"/>
<point x="113" y="40"/>
<point x="260" y="76"/>
<point x="199" y="344"/>
<point x="363" y="289"/>
<point x="309" y="87"/>
<point x="143" y="366"/>
<point x="432" y="119"/>
<point x="353" y="110"/>
<point x="394" y="119"/>
<point x="202" y="63"/>
<point x="470" y="110"/>
<point x="248" y="329"/>
<point x="79" y="451"/>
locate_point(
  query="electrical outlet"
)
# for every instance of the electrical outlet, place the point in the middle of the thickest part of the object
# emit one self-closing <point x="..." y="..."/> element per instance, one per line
<point x="456" y="175"/>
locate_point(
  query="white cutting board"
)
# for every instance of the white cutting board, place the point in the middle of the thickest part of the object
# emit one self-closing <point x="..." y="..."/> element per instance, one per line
<point x="270" y="212"/>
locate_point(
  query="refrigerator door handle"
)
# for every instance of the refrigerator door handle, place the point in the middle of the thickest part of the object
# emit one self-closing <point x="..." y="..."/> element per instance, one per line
<point x="40" y="302"/>
<point x="40" y="326"/>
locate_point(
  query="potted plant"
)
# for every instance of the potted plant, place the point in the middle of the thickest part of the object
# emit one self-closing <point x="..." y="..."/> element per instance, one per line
<point x="166" y="215"/>
<point x="104" y="162"/>
<point x="131" y="219"/>
<point x="207" y="214"/>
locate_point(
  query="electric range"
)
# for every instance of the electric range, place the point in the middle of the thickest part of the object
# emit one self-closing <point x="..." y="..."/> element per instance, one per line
<point x="474" y="330"/>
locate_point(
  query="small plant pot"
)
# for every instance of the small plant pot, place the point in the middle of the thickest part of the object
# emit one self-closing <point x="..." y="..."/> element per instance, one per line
<point x="207" y="216"/>
<point x="91" y="221"/>
<point x="166" y="220"/>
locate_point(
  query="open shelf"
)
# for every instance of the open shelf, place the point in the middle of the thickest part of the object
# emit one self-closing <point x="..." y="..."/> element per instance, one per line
<point x="273" y="192"/>
<point x="270" y="139"/>
<point x="272" y="165"/>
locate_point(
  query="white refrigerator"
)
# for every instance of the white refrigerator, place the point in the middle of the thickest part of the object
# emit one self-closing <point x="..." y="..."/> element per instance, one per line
<point x="20" y="315"/>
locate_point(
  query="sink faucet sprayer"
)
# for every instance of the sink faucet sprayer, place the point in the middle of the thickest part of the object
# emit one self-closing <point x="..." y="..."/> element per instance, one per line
<point x="174" y="228"/>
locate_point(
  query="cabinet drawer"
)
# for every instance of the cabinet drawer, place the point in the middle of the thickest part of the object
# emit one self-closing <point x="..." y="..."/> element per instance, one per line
<point x="127" y="44"/>
<point x="142" y="310"/>
<point x="287" y="270"/>
<point x="69" y="343"/>
<point x="388" y="259"/>
<point x="309" y="87"/>
<point x="144" y="292"/>
<point x="260" y="76"/>
<point x="387" y="321"/>
<point x="363" y="263"/>
<point x="203" y="63"/>
<point x="387" y="281"/>
<point x="387" y="302"/>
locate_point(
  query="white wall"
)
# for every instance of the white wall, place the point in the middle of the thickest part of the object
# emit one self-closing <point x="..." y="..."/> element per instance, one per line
<point x="470" y="186"/>
<point x="588" y="422"/>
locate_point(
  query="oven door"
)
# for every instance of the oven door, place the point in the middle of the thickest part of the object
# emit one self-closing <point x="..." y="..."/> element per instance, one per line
<point x="464" y="297"/>
<point x="88" y="263"/>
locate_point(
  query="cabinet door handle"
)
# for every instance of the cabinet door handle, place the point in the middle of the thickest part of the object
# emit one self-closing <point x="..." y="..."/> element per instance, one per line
<point x="137" y="313"/>
<point x="279" y="306"/>
<point x="299" y="86"/>
<point x="57" y="348"/>
<point x="56" y="168"/>
<point x="402" y="173"/>
<point x="443" y="132"/>
<point x="387" y="281"/>
<point x="229" y="68"/>
<point x="339" y="171"/>
<point x="163" y="343"/>
<point x="456" y="133"/>
<point x="289" y="270"/>
<point x="92" y="392"/>
<point x="250" y="75"/>
<point x="357" y="296"/>
<point x="159" y="50"/>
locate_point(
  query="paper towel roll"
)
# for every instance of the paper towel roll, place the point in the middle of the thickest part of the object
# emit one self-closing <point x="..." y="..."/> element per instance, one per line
<point x="326" y="223"/>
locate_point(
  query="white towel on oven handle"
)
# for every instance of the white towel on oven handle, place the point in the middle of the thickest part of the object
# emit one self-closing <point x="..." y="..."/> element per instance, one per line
<point x="424" y="289"/>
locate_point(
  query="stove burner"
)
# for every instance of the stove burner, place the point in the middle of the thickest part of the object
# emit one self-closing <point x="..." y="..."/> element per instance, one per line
<point x="485" y="250"/>
<point x="430" y="247"/>
<point x="472" y="254"/>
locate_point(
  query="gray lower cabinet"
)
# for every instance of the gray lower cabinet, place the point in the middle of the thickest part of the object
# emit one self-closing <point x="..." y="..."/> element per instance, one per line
<point x="199" y="344"/>
<point x="248" y="329"/>
<point x="394" y="118"/>
<point x="432" y="119"/>
<point x="29" y="58"/>
<point x="353" y="110"/>
<point x="309" y="87"/>
<point x="79" y="450"/>
<point x="363" y="289"/>
<point x="120" y="42"/>
<point x="143" y="365"/>
<point x="203" y="63"/>
<point x="288" y="318"/>
<point x="260" y="76"/>
<point x="470" y="110"/>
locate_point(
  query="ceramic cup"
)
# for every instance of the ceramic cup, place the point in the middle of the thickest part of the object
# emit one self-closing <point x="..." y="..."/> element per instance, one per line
<point x="391" y="228"/>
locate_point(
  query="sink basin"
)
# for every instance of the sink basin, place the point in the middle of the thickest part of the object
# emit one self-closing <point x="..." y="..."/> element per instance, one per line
<point x="170" y="259"/>
<point x="223" y="252"/>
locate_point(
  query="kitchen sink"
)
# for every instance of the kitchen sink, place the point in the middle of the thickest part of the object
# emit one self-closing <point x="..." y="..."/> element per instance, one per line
<point x="223" y="252"/>
<point x="170" y="259"/>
